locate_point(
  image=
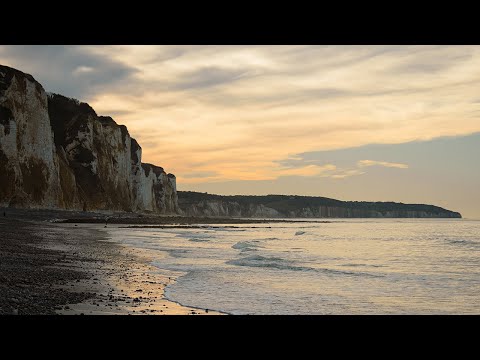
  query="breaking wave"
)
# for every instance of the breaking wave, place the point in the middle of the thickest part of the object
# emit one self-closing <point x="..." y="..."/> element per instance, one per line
<point x="267" y="262"/>
<point x="245" y="246"/>
<point x="199" y="239"/>
<point x="283" y="264"/>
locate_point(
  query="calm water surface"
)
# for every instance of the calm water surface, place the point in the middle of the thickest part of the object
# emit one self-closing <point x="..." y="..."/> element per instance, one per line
<point x="355" y="266"/>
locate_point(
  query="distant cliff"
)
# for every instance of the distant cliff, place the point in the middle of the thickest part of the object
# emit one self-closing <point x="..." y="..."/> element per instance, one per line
<point x="56" y="152"/>
<point x="286" y="206"/>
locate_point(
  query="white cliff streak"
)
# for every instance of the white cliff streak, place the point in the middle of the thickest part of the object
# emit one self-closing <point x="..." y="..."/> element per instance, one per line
<point x="56" y="152"/>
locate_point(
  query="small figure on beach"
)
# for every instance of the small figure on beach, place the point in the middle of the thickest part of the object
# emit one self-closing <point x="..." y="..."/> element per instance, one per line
<point x="4" y="213"/>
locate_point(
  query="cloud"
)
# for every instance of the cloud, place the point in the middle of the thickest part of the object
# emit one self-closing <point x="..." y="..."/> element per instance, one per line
<point x="73" y="71"/>
<point x="347" y="173"/>
<point x="237" y="112"/>
<point x="434" y="60"/>
<point x="341" y="170"/>
<point x="309" y="170"/>
<point x="83" y="70"/>
<point x="207" y="77"/>
<point x="366" y="163"/>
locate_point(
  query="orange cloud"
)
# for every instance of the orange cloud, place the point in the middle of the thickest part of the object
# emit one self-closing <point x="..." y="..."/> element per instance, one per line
<point x="233" y="112"/>
<point x="365" y="163"/>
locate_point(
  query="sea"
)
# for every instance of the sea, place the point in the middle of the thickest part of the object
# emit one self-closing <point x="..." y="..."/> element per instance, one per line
<point x="343" y="266"/>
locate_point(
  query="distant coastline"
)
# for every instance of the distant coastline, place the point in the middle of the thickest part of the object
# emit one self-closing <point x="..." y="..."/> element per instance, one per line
<point x="294" y="206"/>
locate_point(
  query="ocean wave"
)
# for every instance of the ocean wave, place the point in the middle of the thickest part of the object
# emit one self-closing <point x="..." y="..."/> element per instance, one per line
<point x="227" y="228"/>
<point x="267" y="262"/>
<point x="360" y="265"/>
<point x="283" y="264"/>
<point x="199" y="239"/>
<point x="464" y="242"/>
<point x="196" y="235"/>
<point x="347" y="273"/>
<point x="245" y="246"/>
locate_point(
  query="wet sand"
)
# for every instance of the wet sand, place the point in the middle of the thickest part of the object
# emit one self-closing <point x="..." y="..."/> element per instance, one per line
<point x="125" y="284"/>
<point x="29" y="272"/>
<point x="49" y="268"/>
<point x="62" y="262"/>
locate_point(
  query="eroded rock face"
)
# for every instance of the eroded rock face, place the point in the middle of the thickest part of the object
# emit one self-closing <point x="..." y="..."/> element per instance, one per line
<point x="28" y="167"/>
<point x="57" y="152"/>
<point x="158" y="192"/>
<point x="234" y="209"/>
<point x="229" y="209"/>
<point x="292" y="206"/>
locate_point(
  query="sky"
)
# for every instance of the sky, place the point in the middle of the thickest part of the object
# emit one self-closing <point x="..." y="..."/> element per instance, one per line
<point x="374" y="123"/>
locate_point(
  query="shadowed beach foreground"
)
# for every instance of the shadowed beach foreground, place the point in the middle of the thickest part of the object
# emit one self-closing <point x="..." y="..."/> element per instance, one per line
<point x="48" y="268"/>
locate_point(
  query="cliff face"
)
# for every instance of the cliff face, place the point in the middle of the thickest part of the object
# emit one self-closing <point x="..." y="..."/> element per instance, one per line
<point x="28" y="163"/>
<point x="56" y="152"/>
<point x="285" y="206"/>
<point x="229" y="208"/>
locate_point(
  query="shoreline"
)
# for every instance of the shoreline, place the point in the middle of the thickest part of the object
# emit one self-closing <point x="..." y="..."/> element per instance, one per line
<point x="135" y="287"/>
<point x="174" y="220"/>
<point x="48" y="268"/>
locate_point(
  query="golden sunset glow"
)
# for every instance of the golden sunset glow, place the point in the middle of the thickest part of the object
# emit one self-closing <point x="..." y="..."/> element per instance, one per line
<point x="229" y="111"/>
<point x="217" y="114"/>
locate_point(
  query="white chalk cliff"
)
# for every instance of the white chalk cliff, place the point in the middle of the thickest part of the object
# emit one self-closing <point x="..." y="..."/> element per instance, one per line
<point x="56" y="152"/>
<point x="293" y="206"/>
